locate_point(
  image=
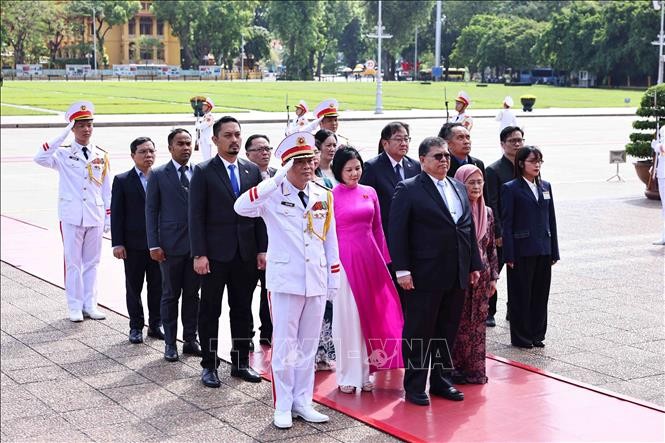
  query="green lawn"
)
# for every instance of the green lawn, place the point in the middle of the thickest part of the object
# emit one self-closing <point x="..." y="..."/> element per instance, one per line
<point x="10" y="110"/>
<point x="128" y="97"/>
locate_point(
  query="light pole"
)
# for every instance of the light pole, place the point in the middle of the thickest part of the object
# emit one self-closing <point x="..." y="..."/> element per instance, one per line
<point x="415" y="58"/>
<point x="437" y="41"/>
<point x="379" y="36"/>
<point x="659" y="6"/>
<point x="94" y="39"/>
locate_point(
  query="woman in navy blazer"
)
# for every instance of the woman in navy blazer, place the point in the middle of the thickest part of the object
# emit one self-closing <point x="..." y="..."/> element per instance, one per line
<point x="530" y="248"/>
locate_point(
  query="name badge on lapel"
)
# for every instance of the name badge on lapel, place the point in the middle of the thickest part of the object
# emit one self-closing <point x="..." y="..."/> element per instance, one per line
<point x="546" y="195"/>
<point x="289" y="204"/>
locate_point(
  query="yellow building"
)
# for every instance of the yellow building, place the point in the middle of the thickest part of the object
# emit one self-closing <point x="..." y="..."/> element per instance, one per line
<point x="142" y="40"/>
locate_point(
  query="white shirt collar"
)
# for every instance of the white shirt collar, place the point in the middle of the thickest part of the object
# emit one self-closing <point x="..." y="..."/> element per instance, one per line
<point x="177" y="165"/>
<point x="226" y="163"/>
<point x="394" y="162"/>
<point x="436" y="180"/>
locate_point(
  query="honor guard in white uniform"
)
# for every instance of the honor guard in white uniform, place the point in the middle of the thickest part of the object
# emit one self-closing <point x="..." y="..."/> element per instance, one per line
<point x="462" y="101"/>
<point x="300" y="123"/>
<point x="84" y="207"/>
<point x="302" y="271"/>
<point x="506" y="116"/>
<point x="658" y="147"/>
<point x="204" y="129"/>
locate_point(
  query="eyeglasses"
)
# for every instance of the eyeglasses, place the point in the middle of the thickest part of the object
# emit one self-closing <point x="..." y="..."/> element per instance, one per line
<point x="535" y="162"/>
<point x="516" y="140"/>
<point x="400" y="139"/>
<point x="264" y="149"/>
<point x="146" y="151"/>
<point x="440" y="156"/>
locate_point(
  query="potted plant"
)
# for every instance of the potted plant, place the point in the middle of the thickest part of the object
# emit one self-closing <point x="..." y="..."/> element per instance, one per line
<point x="652" y="111"/>
<point x="527" y="102"/>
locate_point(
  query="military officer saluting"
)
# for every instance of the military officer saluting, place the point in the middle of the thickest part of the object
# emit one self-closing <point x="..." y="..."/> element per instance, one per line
<point x="302" y="271"/>
<point x="84" y="207"/>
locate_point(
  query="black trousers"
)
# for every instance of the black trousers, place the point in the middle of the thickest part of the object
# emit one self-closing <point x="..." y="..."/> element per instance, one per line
<point x="493" y="297"/>
<point x="139" y="266"/>
<point x="400" y="291"/>
<point x="431" y="321"/>
<point x="265" y="330"/>
<point x="179" y="279"/>
<point x="240" y="278"/>
<point x="528" y="292"/>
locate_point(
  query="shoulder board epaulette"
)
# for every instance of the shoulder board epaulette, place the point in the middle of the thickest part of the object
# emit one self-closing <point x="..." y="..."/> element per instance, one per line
<point x="66" y="146"/>
<point x="322" y="186"/>
<point x="100" y="148"/>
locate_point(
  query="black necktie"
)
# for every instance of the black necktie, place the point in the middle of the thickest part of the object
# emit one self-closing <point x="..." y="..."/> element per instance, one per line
<point x="303" y="198"/>
<point x="184" y="181"/>
<point x="398" y="176"/>
<point x="85" y="152"/>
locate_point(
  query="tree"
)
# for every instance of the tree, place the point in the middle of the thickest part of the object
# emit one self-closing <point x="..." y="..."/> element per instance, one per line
<point x="181" y="16"/>
<point x="336" y="15"/>
<point x="59" y="25"/>
<point x="107" y="13"/>
<point x="351" y="43"/>
<point x="297" y="23"/>
<point x="23" y="29"/>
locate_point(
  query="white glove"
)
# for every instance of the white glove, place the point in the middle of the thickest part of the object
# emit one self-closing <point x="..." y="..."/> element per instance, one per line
<point x="332" y="293"/>
<point x="107" y="225"/>
<point x="57" y="141"/>
<point x="281" y="172"/>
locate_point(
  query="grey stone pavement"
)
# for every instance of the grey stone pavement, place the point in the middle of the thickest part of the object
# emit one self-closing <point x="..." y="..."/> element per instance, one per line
<point x="606" y="323"/>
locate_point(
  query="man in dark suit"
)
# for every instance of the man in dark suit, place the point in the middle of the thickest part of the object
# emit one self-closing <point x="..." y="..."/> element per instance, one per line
<point x="435" y="254"/>
<point x="166" y="222"/>
<point x="227" y="248"/>
<point x="500" y="172"/>
<point x="458" y="139"/>
<point x="130" y="244"/>
<point x="384" y="171"/>
<point x="258" y="151"/>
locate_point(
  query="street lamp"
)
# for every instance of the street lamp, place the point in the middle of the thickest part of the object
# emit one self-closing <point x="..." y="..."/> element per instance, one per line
<point x="658" y="6"/>
<point x="379" y="88"/>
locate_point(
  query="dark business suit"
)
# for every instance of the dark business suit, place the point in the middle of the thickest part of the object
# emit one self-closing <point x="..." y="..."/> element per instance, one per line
<point x="500" y="172"/>
<point x="440" y="254"/>
<point x="167" y="228"/>
<point x="231" y="243"/>
<point x="530" y="243"/>
<point x="264" y="306"/>
<point x="128" y="230"/>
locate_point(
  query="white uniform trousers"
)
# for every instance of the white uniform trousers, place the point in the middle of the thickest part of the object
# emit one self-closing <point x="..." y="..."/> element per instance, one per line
<point x="296" y="321"/>
<point x="661" y="190"/>
<point x="82" y="249"/>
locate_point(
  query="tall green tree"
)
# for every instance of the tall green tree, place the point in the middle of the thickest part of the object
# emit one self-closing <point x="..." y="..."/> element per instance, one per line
<point x="182" y="16"/>
<point x="23" y="29"/>
<point x="352" y="43"/>
<point x="107" y="13"/>
<point x="297" y="23"/>
<point x="58" y="26"/>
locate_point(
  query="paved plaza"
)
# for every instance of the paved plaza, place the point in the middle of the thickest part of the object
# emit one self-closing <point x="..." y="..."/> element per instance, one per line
<point x="66" y="382"/>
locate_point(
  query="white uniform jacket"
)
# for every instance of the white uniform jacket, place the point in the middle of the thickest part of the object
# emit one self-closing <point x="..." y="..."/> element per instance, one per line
<point x="300" y="261"/>
<point x="464" y="119"/>
<point x="85" y="185"/>
<point x="660" y="158"/>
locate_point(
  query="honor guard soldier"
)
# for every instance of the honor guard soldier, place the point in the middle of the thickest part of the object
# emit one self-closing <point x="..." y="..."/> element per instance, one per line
<point x="299" y="123"/>
<point x="462" y="101"/>
<point x="84" y="207"/>
<point x="326" y="111"/>
<point x="204" y="129"/>
<point x="302" y="271"/>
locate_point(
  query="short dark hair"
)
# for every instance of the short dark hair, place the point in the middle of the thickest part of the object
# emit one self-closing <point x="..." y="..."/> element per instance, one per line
<point x="322" y="135"/>
<point x="218" y="124"/>
<point x="390" y="129"/>
<point x="253" y="137"/>
<point x="446" y="131"/>
<point x="427" y="144"/>
<point x="505" y="132"/>
<point x="521" y="156"/>
<point x="175" y="132"/>
<point x="343" y="154"/>
<point x="139" y="141"/>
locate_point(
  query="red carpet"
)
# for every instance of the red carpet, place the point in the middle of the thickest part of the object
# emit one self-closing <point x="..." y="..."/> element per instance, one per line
<point x="518" y="404"/>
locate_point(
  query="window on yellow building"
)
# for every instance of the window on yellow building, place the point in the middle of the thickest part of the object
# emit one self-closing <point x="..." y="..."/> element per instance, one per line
<point x="160" y="27"/>
<point x="145" y="26"/>
<point x="131" y="24"/>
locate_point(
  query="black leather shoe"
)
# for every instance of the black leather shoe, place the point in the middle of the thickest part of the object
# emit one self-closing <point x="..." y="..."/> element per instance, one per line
<point x="135" y="336"/>
<point x="265" y="342"/>
<point x="538" y="344"/>
<point x="191" y="348"/>
<point x="209" y="378"/>
<point x="420" y="399"/>
<point x="248" y="374"/>
<point x="522" y="345"/>
<point x="157" y="333"/>
<point x="448" y="392"/>
<point x="170" y="353"/>
<point x="251" y="346"/>
<point x="490" y="321"/>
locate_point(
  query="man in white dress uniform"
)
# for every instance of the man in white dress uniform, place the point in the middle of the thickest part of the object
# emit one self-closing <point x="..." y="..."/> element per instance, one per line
<point x="302" y="271"/>
<point x="84" y="207"/>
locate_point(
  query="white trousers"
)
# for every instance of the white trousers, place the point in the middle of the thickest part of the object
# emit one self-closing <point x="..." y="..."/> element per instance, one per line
<point x="82" y="247"/>
<point x="296" y="326"/>
<point x="661" y="190"/>
<point x="352" y="367"/>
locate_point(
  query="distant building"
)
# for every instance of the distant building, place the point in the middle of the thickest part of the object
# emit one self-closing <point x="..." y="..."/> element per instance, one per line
<point x="142" y="40"/>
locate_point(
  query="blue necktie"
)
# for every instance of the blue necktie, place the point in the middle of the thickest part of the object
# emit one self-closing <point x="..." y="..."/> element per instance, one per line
<point x="398" y="174"/>
<point x="234" y="180"/>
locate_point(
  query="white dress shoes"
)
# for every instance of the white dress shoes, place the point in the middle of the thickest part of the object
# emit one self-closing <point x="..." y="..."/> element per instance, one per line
<point x="282" y="419"/>
<point x="94" y="314"/>
<point x="75" y="315"/>
<point x="308" y="413"/>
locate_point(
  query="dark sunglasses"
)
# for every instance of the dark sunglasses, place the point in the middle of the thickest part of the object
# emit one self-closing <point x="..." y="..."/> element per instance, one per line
<point x="440" y="155"/>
